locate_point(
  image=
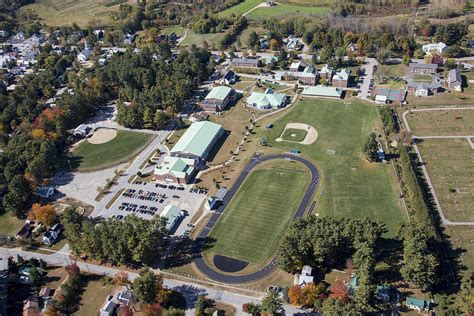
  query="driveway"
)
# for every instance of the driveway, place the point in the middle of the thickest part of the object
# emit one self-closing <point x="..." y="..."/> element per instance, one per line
<point x="305" y="201"/>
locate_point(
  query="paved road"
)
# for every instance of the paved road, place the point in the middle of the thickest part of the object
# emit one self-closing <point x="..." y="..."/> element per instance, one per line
<point x="305" y="201"/>
<point x="368" y="75"/>
<point x="444" y="220"/>
<point x="189" y="289"/>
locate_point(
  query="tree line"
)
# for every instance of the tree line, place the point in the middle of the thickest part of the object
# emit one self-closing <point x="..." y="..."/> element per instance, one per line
<point x="130" y="241"/>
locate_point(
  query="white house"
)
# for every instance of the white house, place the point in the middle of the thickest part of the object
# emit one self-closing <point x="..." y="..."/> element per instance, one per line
<point x="455" y="80"/>
<point x="108" y="309"/>
<point x="380" y="99"/>
<point x="439" y="48"/>
<point x="422" y="91"/>
<point x="85" y="54"/>
<point x="306" y="276"/>
<point x="81" y="131"/>
<point x="52" y="234"/>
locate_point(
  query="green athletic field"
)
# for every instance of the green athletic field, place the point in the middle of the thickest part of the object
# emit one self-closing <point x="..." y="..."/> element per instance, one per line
<point x="350" y="186"/>
<point x="294" y="134"/>
<point x="253" y="224"/>
<point x="89" y="156"/>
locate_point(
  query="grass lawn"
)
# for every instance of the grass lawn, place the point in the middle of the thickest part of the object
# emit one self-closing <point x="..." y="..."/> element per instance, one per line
<point x="244" y="36"/>
<point x="259" y="214"/>
<point x="442" y="123"/>
<point x="94" y="295"/>
<point x="462" y="237"/>
<point x="89" y="156"/>
<point x="179" y="30"/>
<point x="212" y="39"/>
<point x="350" y="187"/>
<point x="293" y="134"/>
<point x="82" y="12"/>
<point x="286" y="9"/>
<point x="241" y="8"/>
<point x="10" y="225"/>
<point x="450" y="164"/>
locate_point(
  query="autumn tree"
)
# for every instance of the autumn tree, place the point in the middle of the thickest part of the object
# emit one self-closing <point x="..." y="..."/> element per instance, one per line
<point x="295" y="295"/>
<point x="339" y="291"/>
<point x="43" y="213"/>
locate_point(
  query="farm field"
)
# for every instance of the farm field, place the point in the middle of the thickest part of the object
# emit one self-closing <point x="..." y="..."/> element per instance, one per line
<point x="82" y="12"/>
<point x="89" y="156"/>
<point x="350" y="186"/>
<point x="450" y="164"/>
<point x="286" y="9"/>
<point x="442" y="123"/>
<point x="254" y="222"/>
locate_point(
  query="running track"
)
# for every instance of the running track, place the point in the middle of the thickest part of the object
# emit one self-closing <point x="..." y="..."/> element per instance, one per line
<point x="307" y="198"/>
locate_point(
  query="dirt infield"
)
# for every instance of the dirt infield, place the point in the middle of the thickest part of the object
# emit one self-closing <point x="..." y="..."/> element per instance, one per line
<point x="102" y="135"/>
<point x="311" y="136"/>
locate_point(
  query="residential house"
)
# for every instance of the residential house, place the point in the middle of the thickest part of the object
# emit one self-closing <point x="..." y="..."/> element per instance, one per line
<point x="439" y="48"/>
<point x="125" y="297"/>
<point x="418" y="68"/>
<point x="25" y="231"/>
<point x="323" y="92"/>
<point x="455" y="80"/>
<point x="198" y="117"/>
<point x="326" y="73"/>
<point x="45" y="192"/>
<point x="31" y="306"/>
<point x="341" y="78"/>
<point x="129" y="39"/>
<point x="382" y="293"/>
<point x="229" y="78"/>
<point x="298" y="65"/>
<point x="81" y="131"/>
<point x="108" y="309"/>
<point x="267" y="100"/>
<point x="292" y="43"/>
<point x="52" y="234"/>
<point x="308" y="76"/>
<point x="352" y="47"/>
<point x="85" y="54"/>
<point x="246" y="63"/>
<point x="305" y="276"/>
<point x="422" y="89"/>
<point x="217" y="100"/>
<point x="417" y="304"/>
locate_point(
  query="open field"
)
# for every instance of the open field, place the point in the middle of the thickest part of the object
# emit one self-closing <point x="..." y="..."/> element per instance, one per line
<point x="82" y="12"/>
<point x="256" y="219"/>
<point x="286" y="9"/>
<point x="295" y="135"/>
<point x="89" y="156"/>
<point x="442" y="123"/>
<point x="241" y="8"/>
<point x="462" y="237"/>
<point x="179" y="30"/>
<point x="350" y="187"/>
<point x="10" y="225"/>
<point x="244" y="36"/>
<point x="450" y="164"/>
<point x="212" y="39"/>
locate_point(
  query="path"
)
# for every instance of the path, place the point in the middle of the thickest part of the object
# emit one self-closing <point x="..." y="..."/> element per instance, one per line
<point x="182" y="38"/>
<point x="263" y="4"/>
<point x="186" y="286"/>
<point x="305" y="201"/>
<point x="444" y="220"/>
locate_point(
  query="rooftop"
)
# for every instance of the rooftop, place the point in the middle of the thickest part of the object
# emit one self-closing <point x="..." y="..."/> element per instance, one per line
<point x="197" y="138"/>
<point x="178" y="167"/>
<point x="219" y="93"/>
<point x="323" y="91"/>
<point x="268" y="98"/>
<point x="171" y="212"/>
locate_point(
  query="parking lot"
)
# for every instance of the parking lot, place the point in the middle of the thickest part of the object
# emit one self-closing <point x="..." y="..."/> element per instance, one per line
<point x="147" y="199"/>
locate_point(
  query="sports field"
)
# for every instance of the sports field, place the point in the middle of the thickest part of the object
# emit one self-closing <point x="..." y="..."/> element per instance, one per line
<point x="293" y="134"/>
<point x="253" y="224"/>
<point x="450" y="164"/>
<point x="126" y="144"/>
<point x="350" y="187"/>
<point x="442" y="123"/>
<point x="82" y="12"/>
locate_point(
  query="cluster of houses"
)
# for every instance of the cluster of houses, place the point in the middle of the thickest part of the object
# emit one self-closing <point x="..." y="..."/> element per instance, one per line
<point x="383" y="293"/>
<point x="31" y="228"/>
<point x="113" y="302"/>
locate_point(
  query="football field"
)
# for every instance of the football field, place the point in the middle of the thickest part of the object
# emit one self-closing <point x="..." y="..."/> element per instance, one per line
<point x="253" y="224"/>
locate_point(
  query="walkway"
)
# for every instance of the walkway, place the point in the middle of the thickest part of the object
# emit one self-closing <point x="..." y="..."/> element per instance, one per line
<point x="444" y="220"/>
<point x="305" y="201"/>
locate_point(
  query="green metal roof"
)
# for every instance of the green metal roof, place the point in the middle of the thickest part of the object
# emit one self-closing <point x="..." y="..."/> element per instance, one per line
<point x="323" y="91"/>
<point x="179" y="167"/>
<point x="266" y="99"/>
<point x="197" y="138"/>
<point x="219" y="93"/>
<point x="171" y="213"/>
<point x="413" y="301"/>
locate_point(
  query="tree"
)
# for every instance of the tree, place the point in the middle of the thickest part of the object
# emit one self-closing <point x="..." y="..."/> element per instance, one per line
<point x="383" y="56"/>
<point x="313" y="294"/>
<point x="253" y="39"/>
<point x="371" y="147"/>
<point x="121" y="279"/>
<point x="333" y="306"/>
<point x="147" y="286"/>
<point x="252" y="309"/>
<point x="339" y="291"/>
<point x="18" y="198"/>
<point x="160" y="119"/>
<point x="201" y="305"/>
<point x="45" y="214"/>
<point x="272" y="304"/>
<point x="295" y="295"/>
